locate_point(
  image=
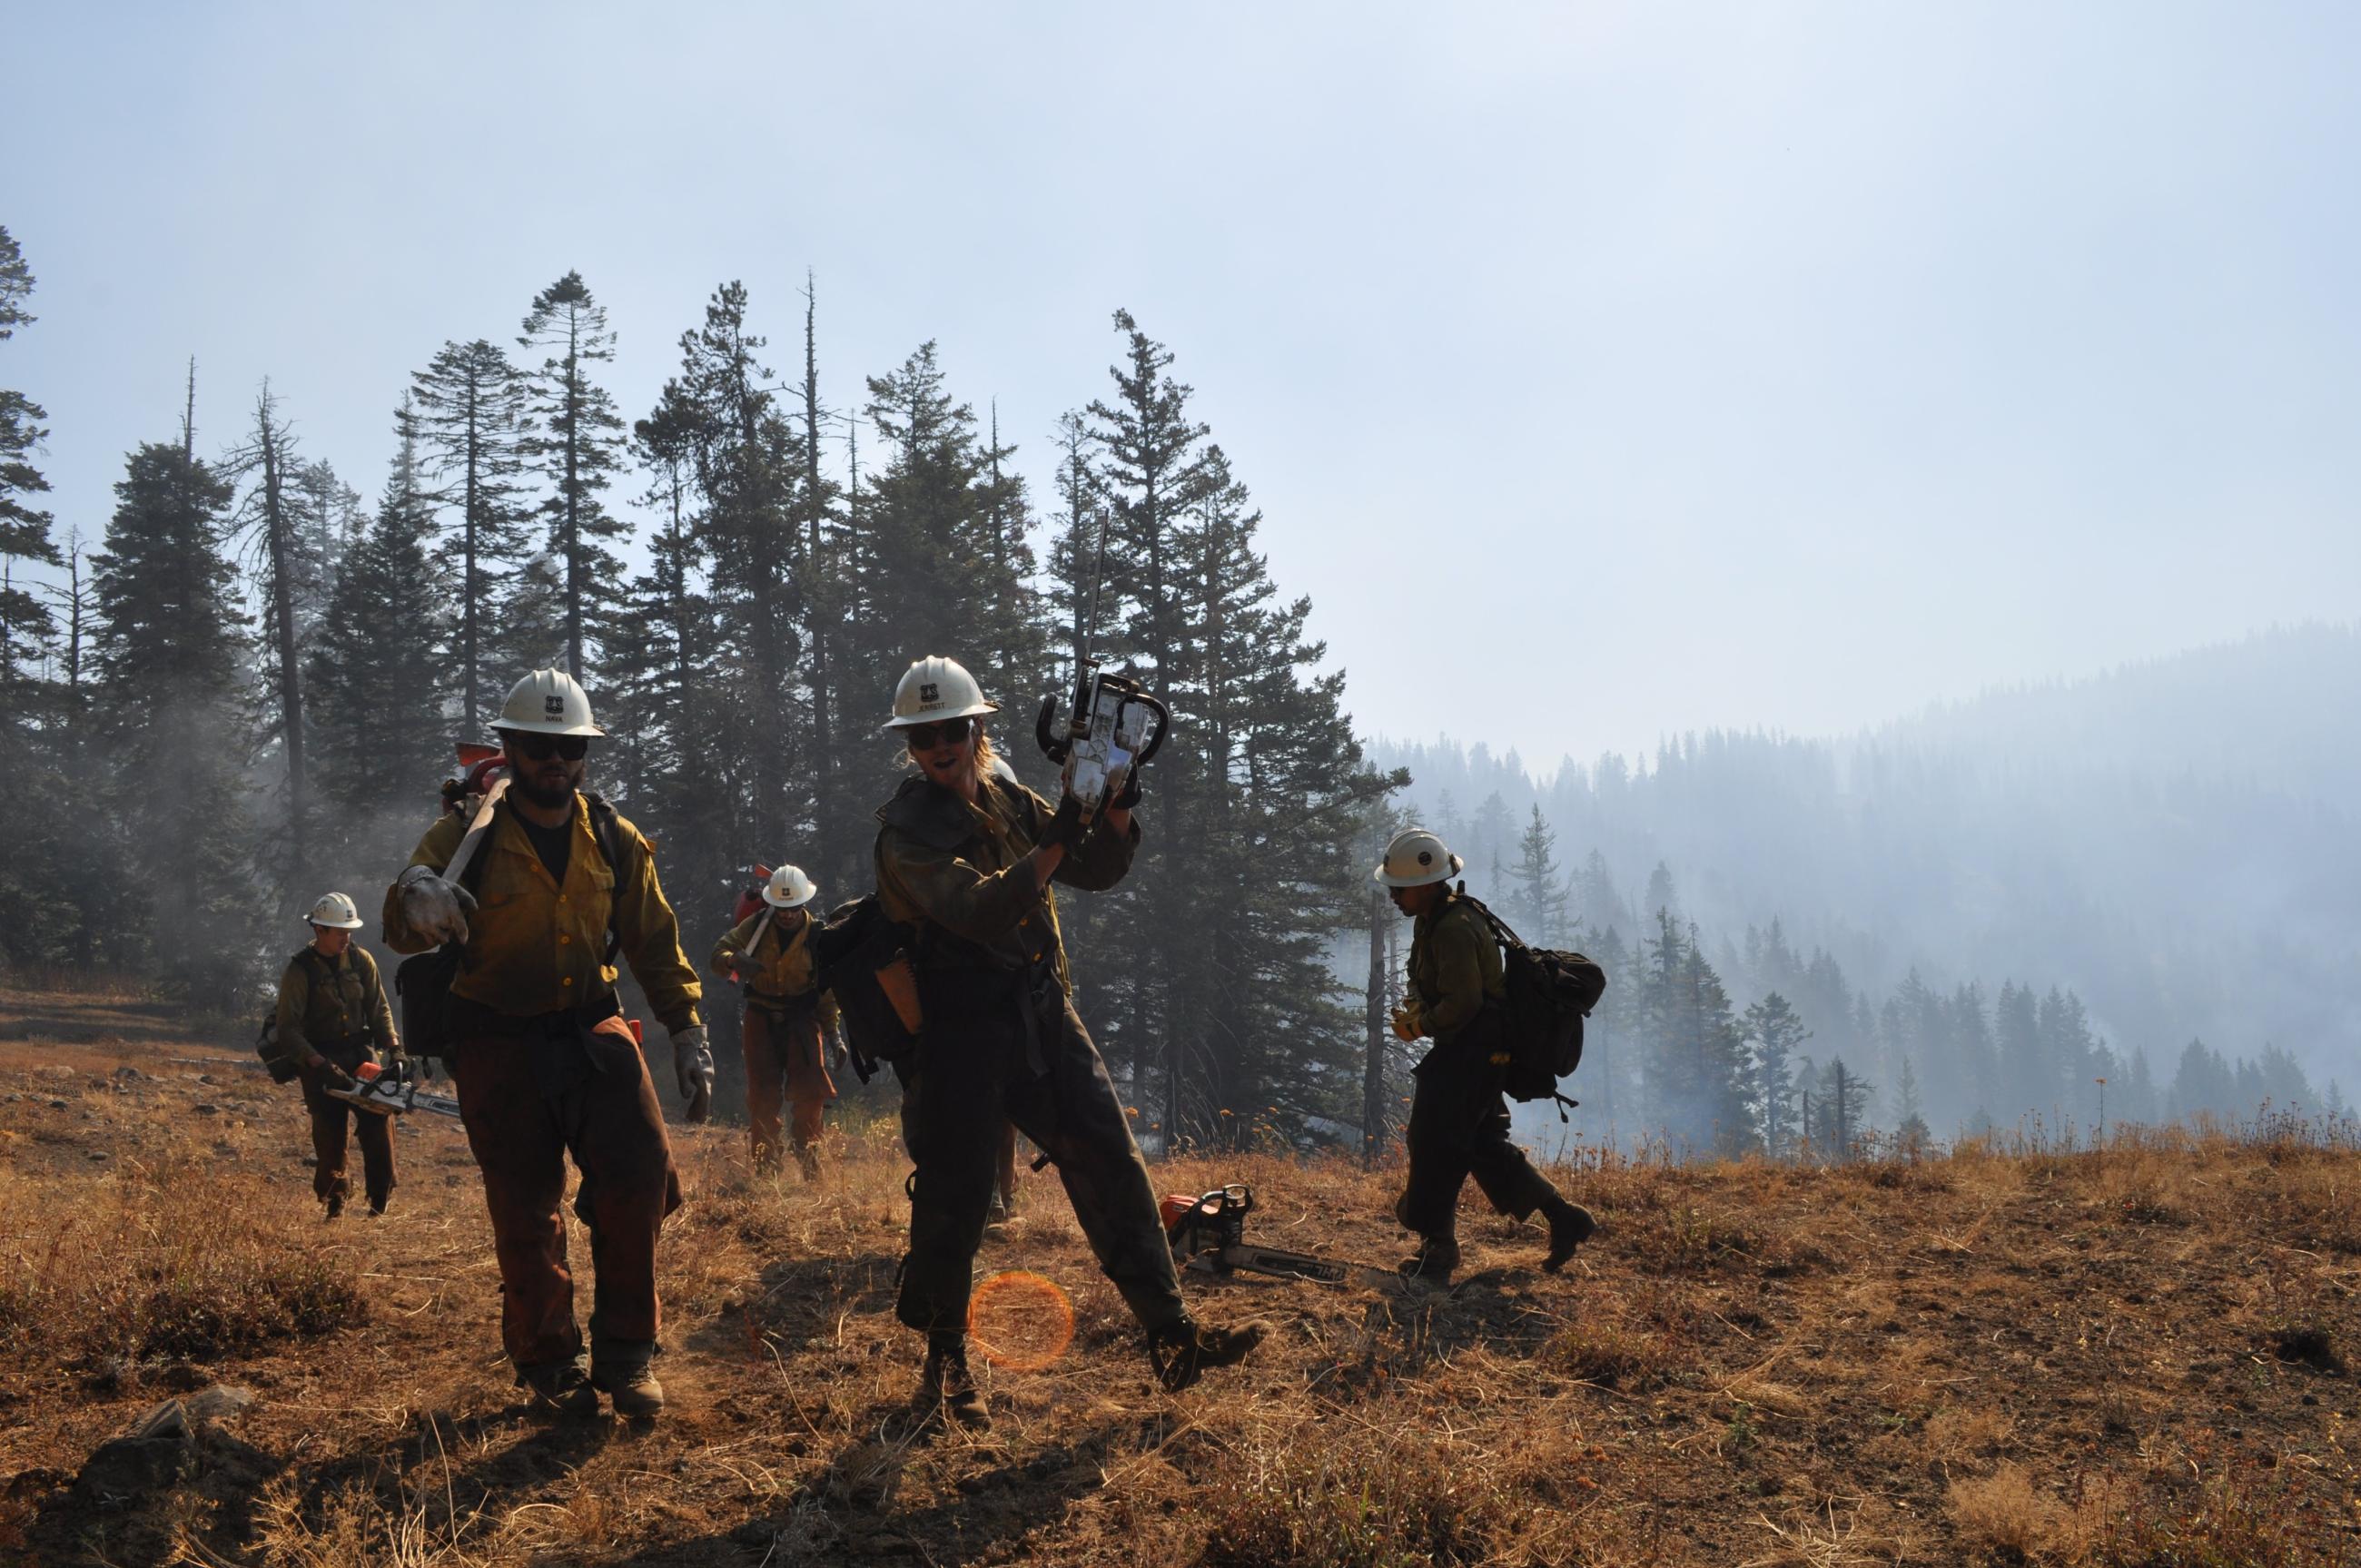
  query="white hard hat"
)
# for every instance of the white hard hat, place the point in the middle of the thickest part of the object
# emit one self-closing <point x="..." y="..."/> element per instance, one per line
<point x="789" y="889"/>
<point x="936" y="688"/>
<point x="1415" y="857"/>
<point x="337" y="911"/>
<point x="547" y="702"/>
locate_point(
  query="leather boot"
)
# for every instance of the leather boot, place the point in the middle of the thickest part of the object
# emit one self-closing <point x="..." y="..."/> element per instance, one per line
<point x="1181" y="1350"/>
<point x="1433" y="1261"/>
<point x="946" y="1389"/>
<point x="560" y="1387"/>
<point x="619" y="1370"/>
<point x="1571" y="1224"/>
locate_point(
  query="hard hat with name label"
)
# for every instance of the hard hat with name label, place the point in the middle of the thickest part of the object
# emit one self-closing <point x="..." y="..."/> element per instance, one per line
<point x="1415" y="857"/>
<point x="936" y="688"/>
<point x="790" y="889"/>
<point x="547" y="702"/>
<point x="336" y="912"/>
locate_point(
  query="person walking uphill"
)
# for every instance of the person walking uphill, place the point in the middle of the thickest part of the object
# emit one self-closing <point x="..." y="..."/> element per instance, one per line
<point x="788" y="1019"/>
<point x="1458" y="1116"/>
<point x="544" y="1064"/>
<point x="965" y="856"/>
<point x="333" y="1016"/>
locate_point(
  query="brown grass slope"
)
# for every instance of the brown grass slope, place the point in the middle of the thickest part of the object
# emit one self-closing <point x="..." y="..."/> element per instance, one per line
<point x="2136" y="1357"/>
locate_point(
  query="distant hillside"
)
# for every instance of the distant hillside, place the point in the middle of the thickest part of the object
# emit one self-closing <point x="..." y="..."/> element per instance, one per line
<point x="2175" y="840"/>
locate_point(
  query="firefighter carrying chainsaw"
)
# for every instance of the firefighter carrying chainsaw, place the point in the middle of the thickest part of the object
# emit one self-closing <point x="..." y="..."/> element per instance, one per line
<point x="333" y="1016"/>
<point x="1459" y="1115"/>
<point x="536" y="887"/>
<point x="790" y="1023"/>
<point x="965" y="857"/>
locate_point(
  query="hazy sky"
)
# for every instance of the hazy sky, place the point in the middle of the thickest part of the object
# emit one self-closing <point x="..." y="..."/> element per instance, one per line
<point x="1601" y="371"/>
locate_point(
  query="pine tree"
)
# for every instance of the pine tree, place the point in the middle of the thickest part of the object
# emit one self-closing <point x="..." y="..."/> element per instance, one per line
<point x="168" y="648"/>
<point x="576" y="444"/>
<point x="379" y="676"/>
<point x="1775" y="1032"/>
<point x="1911" y="1132"/>
<point x="1537" y="900"/>
<point x="25" y="623"/>
<point x="472" y="420"/>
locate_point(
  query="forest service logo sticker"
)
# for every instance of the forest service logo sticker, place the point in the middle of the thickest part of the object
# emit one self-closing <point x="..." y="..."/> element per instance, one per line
<point x="929" y="692"/>
<point x="553" y="706"/>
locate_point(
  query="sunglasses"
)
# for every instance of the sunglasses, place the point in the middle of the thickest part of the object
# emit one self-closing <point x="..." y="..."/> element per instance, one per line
<point x="949" y="732"/>
<point x="541" y="748"/>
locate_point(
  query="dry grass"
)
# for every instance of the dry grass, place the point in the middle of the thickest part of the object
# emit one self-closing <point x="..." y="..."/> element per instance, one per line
<point x="2130" y="1357"/>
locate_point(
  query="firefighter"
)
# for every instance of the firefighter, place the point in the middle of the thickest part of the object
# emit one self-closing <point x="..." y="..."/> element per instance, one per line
<point x="333" y="1016"/>
<point x="965" y="857"/>
<point x="1458" y="1116"/>
<point x="544" y="1064"/>
<point x="789" y="1020"/>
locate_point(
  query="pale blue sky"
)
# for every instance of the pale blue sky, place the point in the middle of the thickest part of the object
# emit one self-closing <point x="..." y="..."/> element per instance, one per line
<point x="1780" y="365"/>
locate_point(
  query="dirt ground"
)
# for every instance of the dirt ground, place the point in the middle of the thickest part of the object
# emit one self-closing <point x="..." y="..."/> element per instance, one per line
<point x="2136" y="1356"/>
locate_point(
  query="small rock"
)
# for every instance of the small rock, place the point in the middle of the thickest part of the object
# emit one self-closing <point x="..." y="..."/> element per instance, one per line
<point x="2312" y="1398"/>
<point x="204" y="1077"/>
<point x="219" y="1403"/>
<point x="57" y="1104"/>
<point x="126" y="1072"/>
<point x="97" y="1154"/>
<point x="205" y="1108"/>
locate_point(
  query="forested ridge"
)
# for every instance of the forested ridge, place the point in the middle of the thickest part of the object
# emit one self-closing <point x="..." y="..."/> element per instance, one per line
<point x="243" y="686"/>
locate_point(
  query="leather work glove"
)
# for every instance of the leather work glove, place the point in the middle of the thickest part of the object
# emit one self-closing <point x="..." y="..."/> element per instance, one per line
<point x="692" y="1063"/>
<point x="336" y="1078"/>
<point x="1065" y="828"/>
<point x="432" y="906"/>
<point x="399" y="1071"/>
<point x="1406" y="1023"/>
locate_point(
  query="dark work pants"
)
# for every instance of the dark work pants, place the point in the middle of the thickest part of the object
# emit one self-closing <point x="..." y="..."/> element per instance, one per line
<point x="330" y="1118"/>
<point x="1459" y="1128"/>
<point x="785" y="1061"/>
<point x="970" y="1078"/>
<point x="527" y="1101"/>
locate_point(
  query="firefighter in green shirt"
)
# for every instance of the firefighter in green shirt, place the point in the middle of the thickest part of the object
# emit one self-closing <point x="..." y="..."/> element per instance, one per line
<point x="1459" y="1118"/>
<point x="965" y="857"/>
<point x="333" y="1016"/>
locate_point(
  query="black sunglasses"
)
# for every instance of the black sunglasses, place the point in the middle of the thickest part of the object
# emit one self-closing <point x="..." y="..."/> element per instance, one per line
<point x="541" y="748"/>
<point x="949" y="732"/>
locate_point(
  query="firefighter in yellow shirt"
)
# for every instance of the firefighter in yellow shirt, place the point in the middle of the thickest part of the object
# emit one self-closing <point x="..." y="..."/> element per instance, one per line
<point x="544" y="1064"/>
<point x="789" y="1020"/>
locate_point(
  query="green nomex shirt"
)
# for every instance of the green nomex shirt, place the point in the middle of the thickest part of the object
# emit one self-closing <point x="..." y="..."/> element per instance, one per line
<point x="324" y="1003"/>
<point x="1454" y="965"/>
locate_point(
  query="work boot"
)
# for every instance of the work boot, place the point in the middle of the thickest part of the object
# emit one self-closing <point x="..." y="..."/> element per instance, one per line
<point x="378" y="1202"/>
<point x="1181" y="1350"/>
<point x="1571" y="1224"/>
<point x="996" y="1219"/>
<point x="621" y="1372"/>
<point x="808" y="1159"/>
<point x="1433" y="1261"/>
<point x="946" y="1389"/>
<point x="560" y="1387"/>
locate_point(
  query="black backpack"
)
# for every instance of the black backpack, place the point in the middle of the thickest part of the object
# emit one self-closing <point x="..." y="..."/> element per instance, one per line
<point x="858" y="940"/>
<point x="424" y="981"/>
<point x="1549" y="994"/>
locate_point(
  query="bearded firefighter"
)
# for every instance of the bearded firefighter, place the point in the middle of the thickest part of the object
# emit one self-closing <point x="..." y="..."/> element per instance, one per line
<point x="544" y="1063"/>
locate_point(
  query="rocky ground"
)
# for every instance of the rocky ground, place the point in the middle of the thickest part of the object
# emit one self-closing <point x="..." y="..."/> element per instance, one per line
<point x="2131" y="1356"/>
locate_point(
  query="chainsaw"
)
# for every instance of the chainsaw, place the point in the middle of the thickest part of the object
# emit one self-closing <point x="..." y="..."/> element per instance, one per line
<point x="382" y="1096"/>
<point x="1107" y="732"/>
<point x="1208" y="1235"/>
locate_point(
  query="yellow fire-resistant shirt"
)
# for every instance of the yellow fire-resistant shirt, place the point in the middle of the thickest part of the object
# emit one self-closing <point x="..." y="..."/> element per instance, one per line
<point x="534" y="947"/>
<point x="1455" y="964"/>
<point x="326" y="1005"/>
<point x="778" y="973"/>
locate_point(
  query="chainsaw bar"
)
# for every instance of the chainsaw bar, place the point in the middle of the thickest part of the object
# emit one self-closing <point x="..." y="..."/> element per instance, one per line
<point x="387" y="1099"/>
<point x="1302" y="1266"/>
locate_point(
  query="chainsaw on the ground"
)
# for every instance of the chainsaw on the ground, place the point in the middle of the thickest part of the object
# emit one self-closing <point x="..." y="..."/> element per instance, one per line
<point x="1107" y="732"/>
<point x="1209" y="1235"/>
<point x="381" y="1095"/>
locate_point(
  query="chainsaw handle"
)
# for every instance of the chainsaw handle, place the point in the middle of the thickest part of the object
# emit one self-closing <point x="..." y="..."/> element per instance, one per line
<point x="1156" y="737"/>
<point x="1045" y="734"/>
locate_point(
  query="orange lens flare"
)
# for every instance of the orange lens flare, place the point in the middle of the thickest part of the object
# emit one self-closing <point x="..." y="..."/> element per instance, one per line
<point x="1019" y="1320"/>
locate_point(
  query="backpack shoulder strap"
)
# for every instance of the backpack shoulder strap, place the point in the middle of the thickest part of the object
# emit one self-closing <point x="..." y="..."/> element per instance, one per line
<point x="1507" y="937"/>
<point x="606" y="828"/>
